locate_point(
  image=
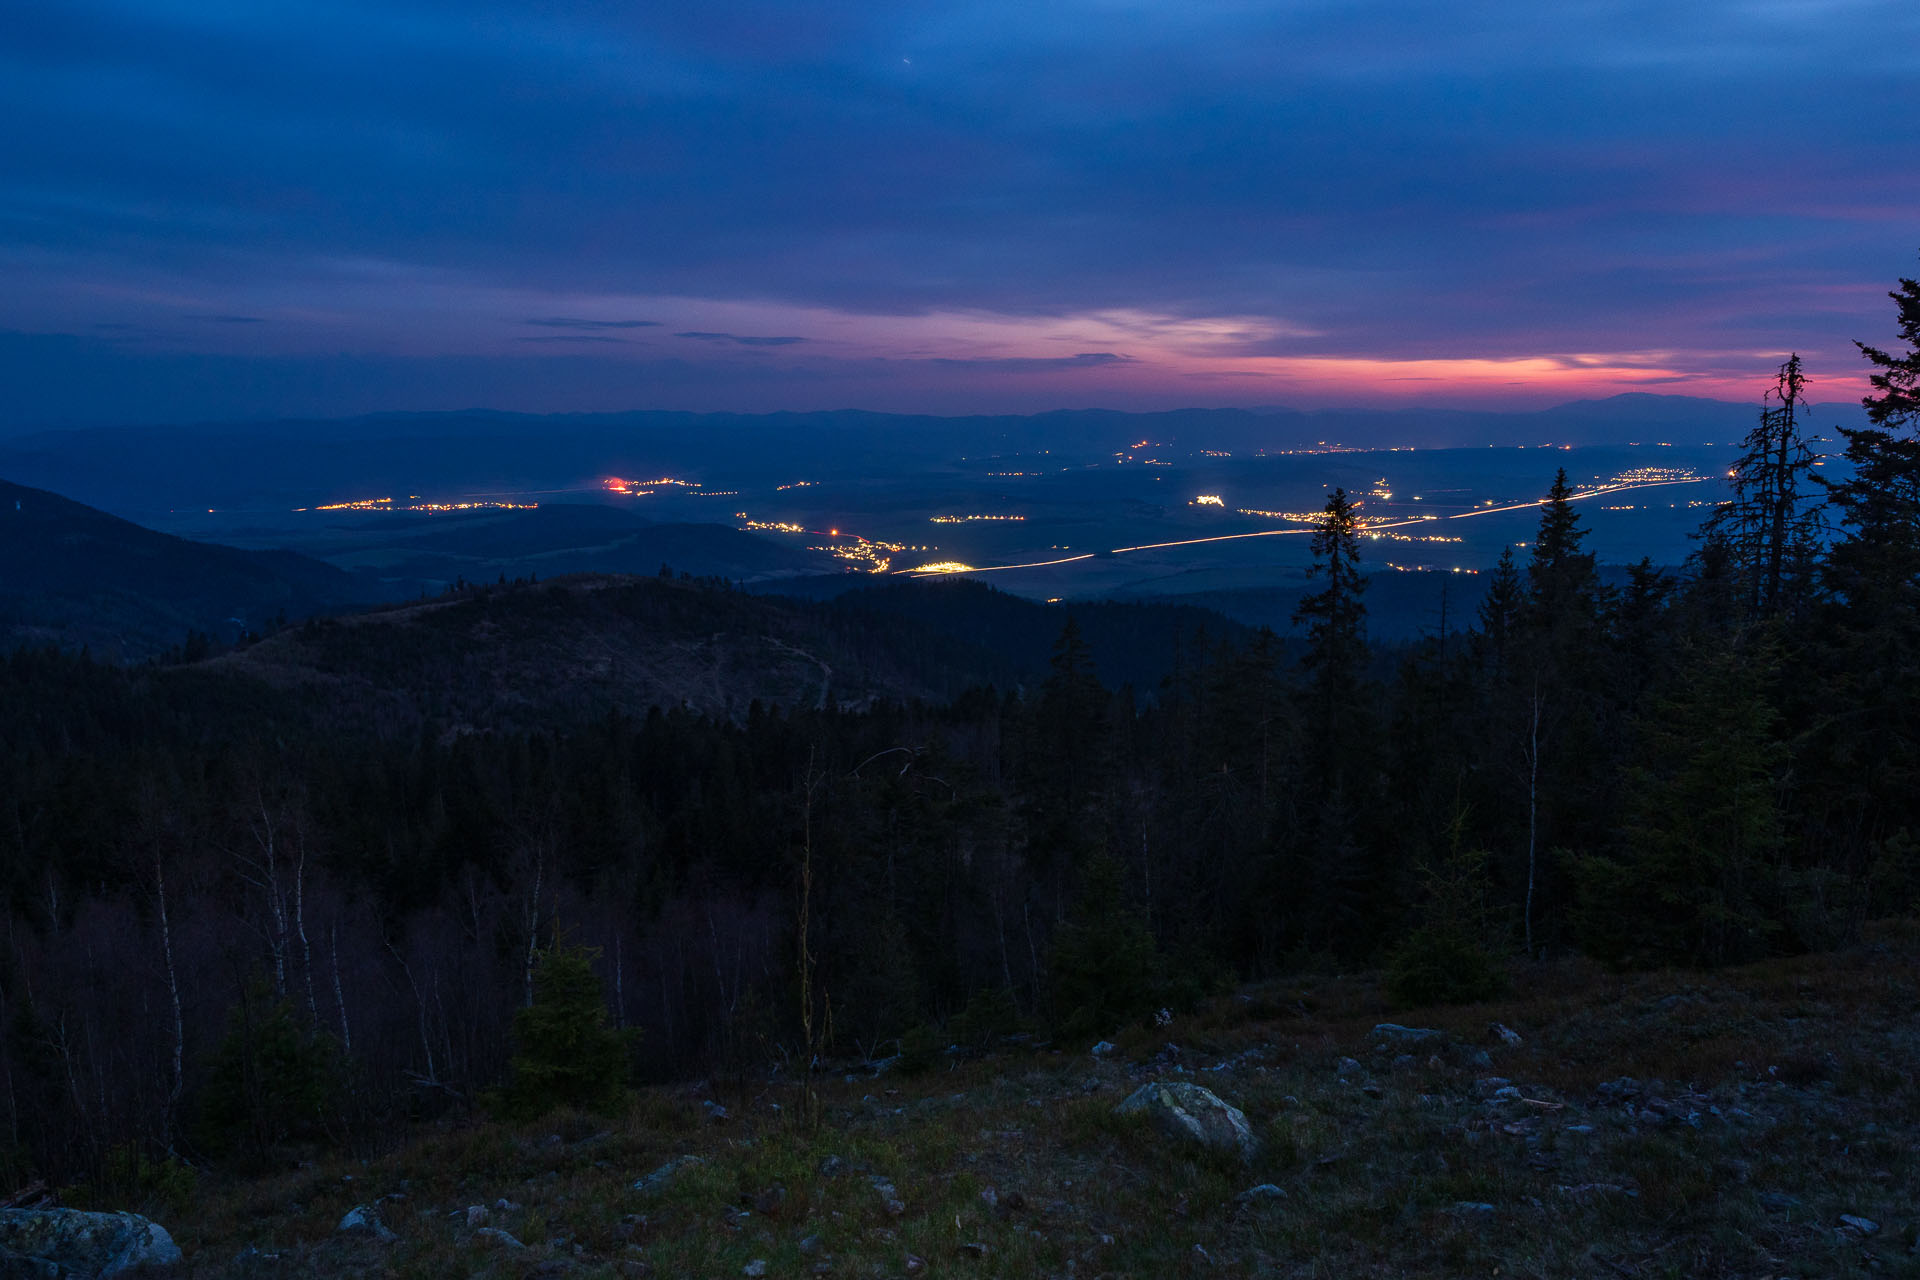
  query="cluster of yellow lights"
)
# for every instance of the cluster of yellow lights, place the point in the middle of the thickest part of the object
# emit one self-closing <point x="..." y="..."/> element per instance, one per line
<point x="1208" y="500"/>
<point x="641" y="488"/>
<point x="1297" y="517"/>
<point x="413" y="504"/>
<point x="797" y="484"/>
<point x="770" y="526"/>
<point x="1655" y="475"/>
<point x="945" y="566"/>
<point x="875" y="554"/>
<point x="968" y="519"/>
<point x="1217" y="453"/>
<point x="1016" y="473"/>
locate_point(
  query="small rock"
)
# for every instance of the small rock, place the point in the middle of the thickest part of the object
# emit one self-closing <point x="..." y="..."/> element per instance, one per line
<point x="1346" y="1067"/>
<point x="1394" y="1032"/>
<point x="1854" y="1222"/>
<point x="1578" y="1128"/>
<point x="832" y="1167"/>
<point x="656" y="1182"/>
<point x="915" y="1264"/>
<point x="1472" y="1207"/>
<point x="504" y="1205"/>
<point x="1778" y="1201"/>
<point x="1506" y="1093"/>
<point x="889" y="1196"/>
<point x="758" y="1267"/>
<point x="1104" y="1048"/>
<point x="715" y="1112"/>
<point x="1264" y="1191"/>
<point x="364" y="1220"/>
<point x="973" y="1249"/>
<point x="1506" y="1034"/>
<point x="810" y="1244"/>
<point x="495" y="1236"/>
<point x="476" y="1216"/>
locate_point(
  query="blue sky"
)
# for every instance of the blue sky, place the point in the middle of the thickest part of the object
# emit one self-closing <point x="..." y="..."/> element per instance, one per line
<point x="212" y="210"/>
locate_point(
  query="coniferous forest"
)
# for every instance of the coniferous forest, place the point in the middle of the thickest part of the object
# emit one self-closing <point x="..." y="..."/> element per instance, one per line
<point x="234" y="924"/>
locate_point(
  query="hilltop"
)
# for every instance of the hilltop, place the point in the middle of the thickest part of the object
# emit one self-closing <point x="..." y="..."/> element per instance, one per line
<point x="77" y="576"/>
<point x="1760" y="1121"/>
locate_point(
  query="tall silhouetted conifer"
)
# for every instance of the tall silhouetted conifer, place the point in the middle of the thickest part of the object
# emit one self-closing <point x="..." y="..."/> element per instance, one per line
<point x="1335" y="618"/>
<point x="1767" y="529"/>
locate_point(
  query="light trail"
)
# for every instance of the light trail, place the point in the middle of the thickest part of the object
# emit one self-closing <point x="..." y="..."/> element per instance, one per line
<point x="1282" y="533"/>
<point x="1575" y="497"/>
<point x="994" y="568"/>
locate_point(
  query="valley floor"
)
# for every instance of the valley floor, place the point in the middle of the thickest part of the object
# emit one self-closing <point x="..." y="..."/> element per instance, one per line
<point x="1762" y="1121"/>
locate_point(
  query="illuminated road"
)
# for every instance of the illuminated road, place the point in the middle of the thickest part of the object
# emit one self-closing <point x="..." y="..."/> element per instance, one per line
<point x="1600" y="491"/>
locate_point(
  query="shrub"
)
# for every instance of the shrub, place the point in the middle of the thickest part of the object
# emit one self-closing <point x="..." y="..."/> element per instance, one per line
<point x="919" y="1051"/>
<point x="565" y="1052"/>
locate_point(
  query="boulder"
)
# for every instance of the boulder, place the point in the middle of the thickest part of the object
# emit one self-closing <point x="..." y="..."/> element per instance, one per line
<point x="364" y="1220"/>
<point x="68" y="1242"/>
<point x="1190" y="1113"/>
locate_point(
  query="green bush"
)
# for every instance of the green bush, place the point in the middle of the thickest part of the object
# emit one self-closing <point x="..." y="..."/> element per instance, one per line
<point x="1105" y="967"/>
<point x="1448" y="958"/>
<point x="565" y="1052"/>
<point x="919" y="1051"/>
<point x="271" y="1080"/>
<point x="1441" y="965"/>
<point x="991" y="1014"/>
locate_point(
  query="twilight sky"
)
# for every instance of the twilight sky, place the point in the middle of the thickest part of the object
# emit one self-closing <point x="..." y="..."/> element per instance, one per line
<point x="223" y="208"/>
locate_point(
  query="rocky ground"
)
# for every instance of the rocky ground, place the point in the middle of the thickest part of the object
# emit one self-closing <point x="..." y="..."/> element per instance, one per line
<point x="1757" y="1122"/>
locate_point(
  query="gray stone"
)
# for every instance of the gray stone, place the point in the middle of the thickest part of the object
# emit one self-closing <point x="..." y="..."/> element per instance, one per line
<point x="82" y="1245"/>
<point x="495" y="1236"/>
<point x="657" y="1181"/>
<point x="1506" y="1034"/>
<point x="1854" y="1222"/>
<point x="364" y="1219"/>
<point x="1473" y="1207"/>
<point x="1397" y="1034"/>
<point x="1104" y="1048"/>
<point x="1190" y="1113"/>
<point x="758" y="1267"/>
<point x="1264" y="1191"/>
<point x="18" y="1266"/>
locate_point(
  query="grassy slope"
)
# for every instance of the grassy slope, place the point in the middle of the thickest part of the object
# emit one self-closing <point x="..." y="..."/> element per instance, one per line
<point x="1788" y="1097"/>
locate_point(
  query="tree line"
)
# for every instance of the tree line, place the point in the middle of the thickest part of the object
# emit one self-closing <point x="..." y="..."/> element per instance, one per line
<point x="232" y="929"/>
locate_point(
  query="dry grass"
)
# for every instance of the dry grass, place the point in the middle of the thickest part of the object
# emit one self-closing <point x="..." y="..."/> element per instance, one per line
<point x="1766" y="1103"/>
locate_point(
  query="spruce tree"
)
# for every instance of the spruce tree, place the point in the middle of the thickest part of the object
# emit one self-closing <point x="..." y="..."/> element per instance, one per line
<point x="1500" y="613"/>
<point x="566" y="1053"/>
<point x="1336" y="618"/>
<point x="1768" y="530"/>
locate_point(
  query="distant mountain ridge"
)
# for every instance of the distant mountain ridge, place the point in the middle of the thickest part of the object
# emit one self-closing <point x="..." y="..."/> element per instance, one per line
<point x="224" y="464"/>
<point x="74" y="576"/>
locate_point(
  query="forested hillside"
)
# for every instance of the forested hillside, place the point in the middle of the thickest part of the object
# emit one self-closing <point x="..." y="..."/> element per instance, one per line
<point x="75" y="576"/>
<point x="233" y="925"/>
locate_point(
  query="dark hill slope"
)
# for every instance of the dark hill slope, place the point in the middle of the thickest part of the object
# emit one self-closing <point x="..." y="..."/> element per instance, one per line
<point x="530" y="655"/>
<point x="74" y="576"/>
<point x="1136" y="643"/>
